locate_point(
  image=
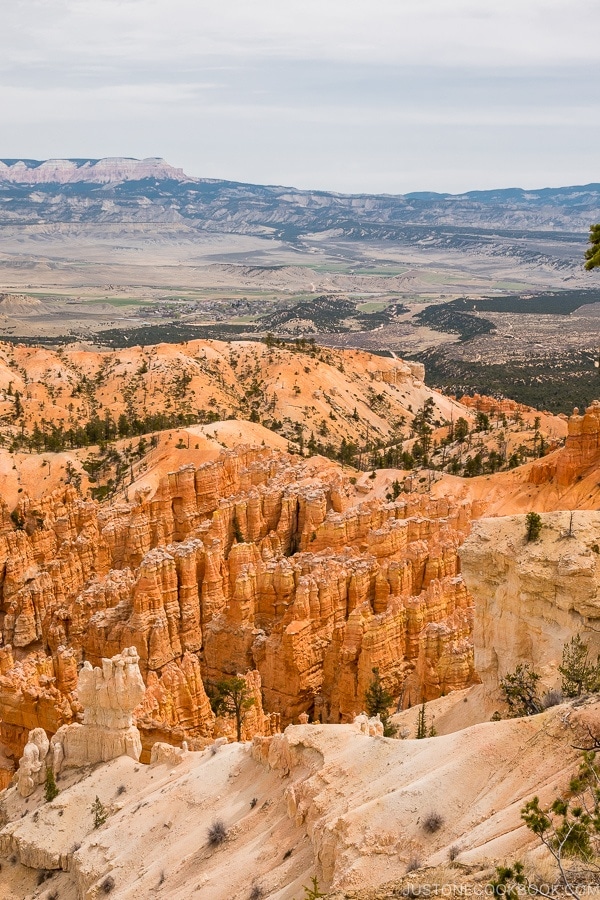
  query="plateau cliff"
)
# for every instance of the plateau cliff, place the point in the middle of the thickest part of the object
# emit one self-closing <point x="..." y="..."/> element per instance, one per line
<point x="532" y="597"/>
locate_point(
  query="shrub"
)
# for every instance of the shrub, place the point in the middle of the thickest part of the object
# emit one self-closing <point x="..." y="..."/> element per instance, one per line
<point x="519" y="689"/>
<point x="50" y="789"/>
<point x="534" y="526"/>
<point x="99" y="813"/>
<point x="413" y="864"/>
<point x="217" y="833"/>
<point x="257" y="892"/>
<point x="453" y="852"/>
<point x="121" y="790"/>
<point x="432" y="822"/>
<point x="507" y="881"/>
<point x="107" y="885"/>
<point x="552" y="698"/>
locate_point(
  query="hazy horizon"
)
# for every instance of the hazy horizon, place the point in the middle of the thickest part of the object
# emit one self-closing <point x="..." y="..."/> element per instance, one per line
<point x="194" y="176"/>
<point x="386" y="97"/>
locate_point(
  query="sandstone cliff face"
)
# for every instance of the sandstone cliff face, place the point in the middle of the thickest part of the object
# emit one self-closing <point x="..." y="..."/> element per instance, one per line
<point x="254" y="562"/>
<point x="532" y="597"/>
<point x="582" y="447"/>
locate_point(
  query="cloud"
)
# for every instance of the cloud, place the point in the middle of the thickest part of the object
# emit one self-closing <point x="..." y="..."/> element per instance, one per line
<point x="431" y="32"/>
<point x="331" y="93"/>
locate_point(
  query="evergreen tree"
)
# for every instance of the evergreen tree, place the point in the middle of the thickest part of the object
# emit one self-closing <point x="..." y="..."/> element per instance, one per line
<point x="421" y="723"/>
<point x="592" y="254"/>
<point x="18" y="406"/>
<point x="99" y="812"/>
<point x="482" y="422"/>
<point x="569" y="829"/>
<point x="534" y="526"/>
<point x="233" y="698"/>
<point x="378" y="701"/>
<point x="520" y="691"/>
<point x="313" y="893"/>
<point x="461" y="429"/>
<point x="579" y="674"/>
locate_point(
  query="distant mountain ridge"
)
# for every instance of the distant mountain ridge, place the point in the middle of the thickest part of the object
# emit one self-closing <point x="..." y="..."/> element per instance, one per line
<point x="121" y="190"/>
<point x="93" y="171"/>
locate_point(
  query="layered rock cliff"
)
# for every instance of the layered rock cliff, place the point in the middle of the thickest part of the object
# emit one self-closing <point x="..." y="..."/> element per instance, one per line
<point x="258" y="561"/>
<point x="532" y="597"/>
<point x="111" y="170"/>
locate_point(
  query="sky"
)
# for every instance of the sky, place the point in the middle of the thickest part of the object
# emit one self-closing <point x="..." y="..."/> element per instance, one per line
<point x="385" y="96"/>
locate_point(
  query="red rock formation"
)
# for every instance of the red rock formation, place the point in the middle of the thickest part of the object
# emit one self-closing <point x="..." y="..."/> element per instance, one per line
<point x="253" y="562"/>
<point x="492" y="405"/>
<point x="582" y="447"/>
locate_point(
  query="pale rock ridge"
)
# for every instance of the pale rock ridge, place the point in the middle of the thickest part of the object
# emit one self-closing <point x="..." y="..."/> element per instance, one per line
<point x="32" y="765"/>
<point x="532" y="597"/>
<point x="110" y="170"/>
<point x="349" y="804"/>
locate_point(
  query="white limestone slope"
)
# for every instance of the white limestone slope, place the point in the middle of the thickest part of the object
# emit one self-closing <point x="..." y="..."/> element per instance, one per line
<point x="349" y="807"/>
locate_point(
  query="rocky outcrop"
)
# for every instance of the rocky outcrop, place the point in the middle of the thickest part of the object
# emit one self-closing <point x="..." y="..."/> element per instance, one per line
<point x="255" y="562"/>
<point x="108" y="696"/>
<point x="582" y="447"/>
<point x="93" y="171"/>
<point x="532" y="597"/>
<point x="349" y="804"/>
<point x="495" y="406"/>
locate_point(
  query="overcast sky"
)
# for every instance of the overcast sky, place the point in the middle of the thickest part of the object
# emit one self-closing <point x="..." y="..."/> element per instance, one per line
<point x="350" y="95"/>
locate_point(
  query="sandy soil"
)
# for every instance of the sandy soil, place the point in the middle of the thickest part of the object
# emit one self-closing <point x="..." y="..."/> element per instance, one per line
<point x="351" y="811"/>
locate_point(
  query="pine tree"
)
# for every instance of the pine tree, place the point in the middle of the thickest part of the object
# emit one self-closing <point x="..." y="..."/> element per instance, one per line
<point x="534" y="526"/>
<point x="233" y="698"/>
<point x="592" y="254"/>
<point x="520" y="691"/>
<point x="313" y="893"/>
<point x="378" y="701"/>
<point x="421" y="723"/>
<point x="461" y="429"/>
<point x="579" y="674"/>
